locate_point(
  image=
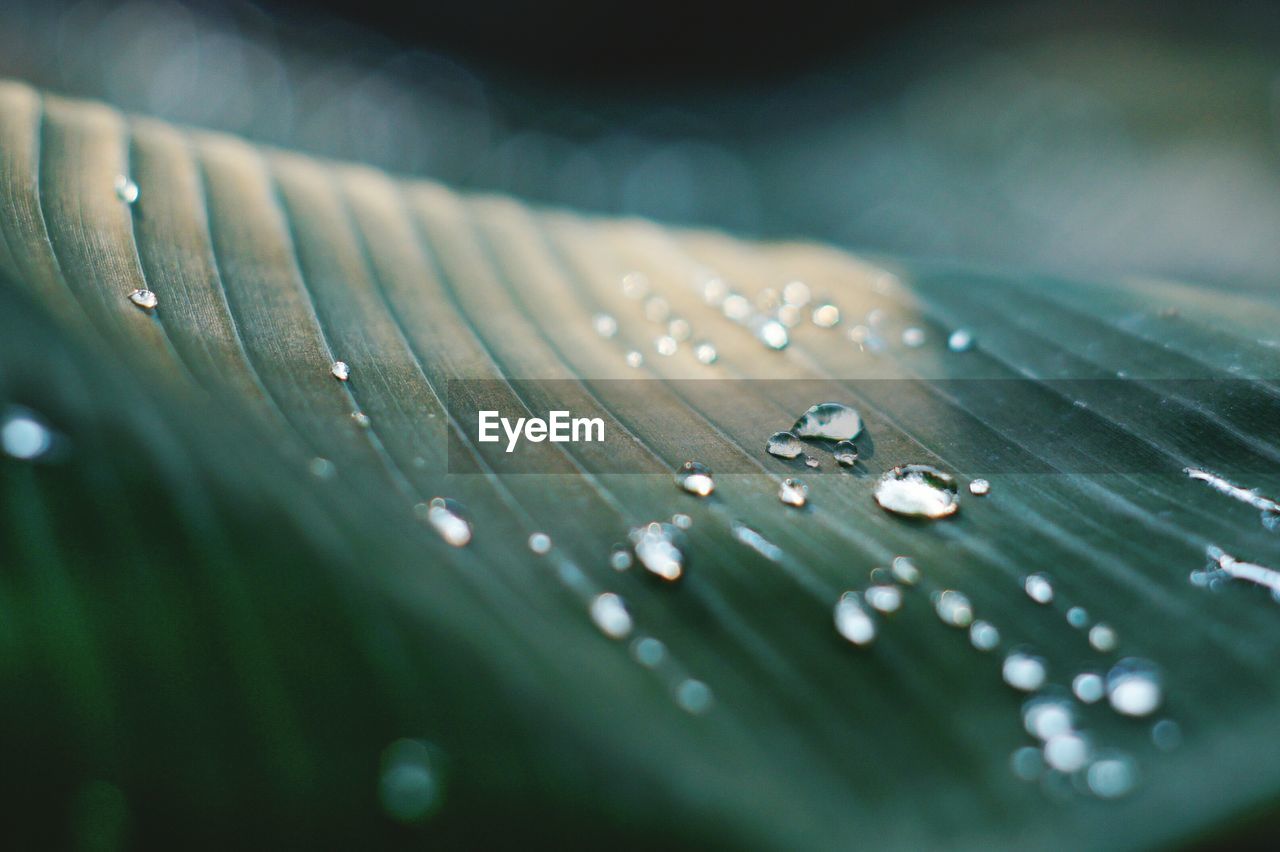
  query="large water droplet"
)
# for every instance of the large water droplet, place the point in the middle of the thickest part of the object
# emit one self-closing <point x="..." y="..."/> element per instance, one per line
<point x="829" y="421"/>
<point x="24" y="436"/>
<point x="773" y="334"/>
<point x="793" y="492"/>
<point x="1023" y="671"/>
<point x="605" y="325"/>
<point x="449" y="519"/>
<point x="918" y="491"/>
<point x="126" y="190"/>
<point x="953" y="608"/>
<point x="144" y="299"/>
<point x="784" y="445"/>
<point x="611" y="616"/>
<point x="826" y="316"/>
<point x="1102" y="638"/>
<point x="340" y="370"/>
<point x="695" y="477"/>
<point x="884" y="597"/>
<point x="853" y="622"/>
<point x="1046" y="716"/>
<point x="1067" y="752"/>
<point x="656" y="547"/>
<point x="408" y="787"/>
<point x="1133" y="687"/>
<point x="1038" y="588"/>
<point x="845" y="453"/>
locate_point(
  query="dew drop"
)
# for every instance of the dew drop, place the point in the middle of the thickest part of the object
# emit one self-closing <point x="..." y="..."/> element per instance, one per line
<point x="682" y="521"/>
<point x="1102" y="638"/>
<point x="784" y="445"/>
<point x="913" y="337"/>
<point x="1088" y="687"/>
<point x="983" y="635"/>
<point x="961" y="340"/>
<point x="1023" y="671"/>
<point x="980" y="487"/>
<point x="845" y="453"/>
<point x="408" y="787"/>
<point x="620" y="558"/>
<point x="905" y="570"/>
<point x="953" y="608"/>
<point x="811" y="462"/>
<point x="656" y="547"/>
<point x="666" y="345"/>
<point x="736" y="307"/>
<point x="693" y="696"/>
<point x="634" y="359"/>
<point x="705" y="352"/>
<point x="853" y="622"/>
<point x="540" y="543"/>
<point x="793" y="492"/>
<point x="340" y="371"/>
<point x="1111" y="775"/>
<point x="1038" y="588"/>
<point x="1067" y="752"/>
<point x="605" y="325"/>
<point x="450" y="521"/>
<point x="1078" y="617"/>
<point x="826" y="316"/>
<point x="918" y="491"/>
<point x="648" y="652"/>
<point x="1133" y="687"/>
<point x="1047" y="716"/>
<point x="695" y="477"/>
<point x="126" y="190"/>
<point x="884" y="597"/>
<point x="773" y="334"/>
<point x="144" y="299"/>
<point x="611" y="616"/>
<point x="829" y="421"/>
<point x="24" y="436"/>
<point x="796" y="293"/>
<point x="322" y="468"/>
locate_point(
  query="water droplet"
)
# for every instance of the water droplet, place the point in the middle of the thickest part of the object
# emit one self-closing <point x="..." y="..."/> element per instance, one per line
<point x="918" y="491"/>
<point x="450" y="521"/>
<point x="1027" y="763"/>
<point x="693" y="696"/>
<point x="884" y="597"/>
<point x="1047" y="716"/>
<point x="340" y="371"/>
<point x="853" y="622"/>
<point x="126" y="190"/>
<point x="961" y="340"/>
<point x="635" y="285"/>
<point x="24" y="436"/>
<point x="714" y="291"/>
<point x="679" y="329"/>
<point x="1024" y="671"/>
<point x="756" y="542"/>
<point x="322" y="468"/>
<point x="979" y="487"/>
<point x="361" y="419"/>
<point x="648" y="652"/>
<point x="540" y="543"/>
<point x="905" y="571"/>
<point x="1038" y="588"/>
<point x="983" y="635"/>
<point x="793" y="492"/>
<point x="620" y="558"/>
<point x="656" y="547"/>
<point x="605" y="325"/>
<point x="682" y="521"/>
<point x="657" y="309"/>
<point x="784" y="445"/>
<point x="773" y="334"/>
<point x="1102" y="638"/>
<point x="829" y="421"/>
<point x="789" y="315"/>
<point x="1067" y="752"/>
<point x="408" y="787"/>
<point x="666" y="345"/>
<point x="826" y="316"/>
<point x="736" y="307"/>
<point x="705" y="352"/>
<point x="1111" y="775"/>
<point x="913" y="337"/>
<point x="811" y="462"/>
<point x="1133" y="687"/>
<point x="845" y="453"/>
<point x="953" y="608"/>
<point x="1166" y="734"/>
<point x="768" y="299"/>
<point x="1078" y="617"/>
<point x="634" y="359"/>
<point x="695" y="477"/>
<point x="144" y="299"/>
<point x="1088" y="687"/>
<point x="796" y="293"/>
<point x="611" y="616"/>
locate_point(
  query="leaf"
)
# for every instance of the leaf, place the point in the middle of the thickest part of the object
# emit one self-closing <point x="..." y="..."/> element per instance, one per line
<point x="202" y="640"/>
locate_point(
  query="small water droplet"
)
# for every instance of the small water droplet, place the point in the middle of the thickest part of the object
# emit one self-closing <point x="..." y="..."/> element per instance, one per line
<point x="322" y="468"/>
<point x="918" y="491"/>
<point x="1023" y="671"/>
<point x="24" y="436"/>
<point x="811" y="462"/>
<point x="634" y="359"/>
<point x="768" y="299"/>
<point x="884" y="597"/>
<point x="126" y="190"/>
<point x="1088" y="687"/>
<point x="983" y="635"/>
<point x="1047" y="716"/>
<point x="828" y="421"/>
<point x="826" y="316"/>
<point x="784" y="445"/>
<point x="1027" y="763"/>
<point x="793" y="492"/>
<point x="450" y="521"/>
<point x="789" y="315"/>
<point x="666" y="345"/>
<point x="657" y="549"/>
<point x="913" y="337"/>
<point x="905" y="570"/>
<point x="1038" y="588"/>
<point x="772" y="334"/>
<point x="679" y="329"/>
<point x="756" y="542"/>
<point x="853" y="622"/>
<point x="340" y="371"/>
<point x="605" y="325"/>
<point x="656" y="309"/>
<point x="540" y="543"/>
<point x="648" y="652"/>
<point x="953" y="608"/>
<point x="961" y="340"/>
<point x="796" y="293"/>
<point x="361" y="419"/>
<point x="1166" y="734"/>
<point x="1133" y="687"/>
<point x="736" y="307"/>
<point x="714" y="291"/>
<point x="705" y="352"/>
<point x="695" y="477"/>
<point x="693" y="696"/>
<point x="1111" y="775"/>
<point x="845" y="453"/>
<point x="980" y="487"/>
<point x="682" y="521"/>
<point x="1078" y="617"/>
<point x="408" y="788"/>
<point x="611" y="616"/>
<point x="1067" y="752"/>
<point x="144" y="299"/>
<point x="635" y="285"/>
<point x="620" y="558"/>
<point x="1102" y="638"/>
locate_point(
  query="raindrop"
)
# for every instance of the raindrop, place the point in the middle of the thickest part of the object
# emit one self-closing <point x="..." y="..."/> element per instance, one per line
<point x="826" y="316"/>
<point x="144" y="299"/>
<point x="605" y="325"/>
<point x="773" y="334"/>
<point x="1078" y="617"/>
<point x="845" y="453"/>
<point x="408" y="788"/>
<point x="655" y="546"/>
<point x="1102" y="638"/>
<point x="1067" y="752"/>
<point x="340" y="371"/>
<point x="853" y="622"/>
<point x="695" y="477"/>
<point x="1133" y="687"/>
<point x="449" y="519"/>
<point x="705" y="352"/>
<point x="361" y="419"/>
<point x="784" y="445"/>
<point x="905" y="570"/>
<point x="1023" y="671"/>
<point x="1038" y="588"/>
<point x="611" y="616"/>
<point x="648" y="652"/>
<point x="979" y="487"/>
<point x="983" y="635"/>
<point x="540" y="543"/>
<point x="913" y="337"/>
<point x="1166" y="734"/>
<point x="620" y="558"/>
<point x="23" y="436"/>
<point x="666" y="345"/>
<point x="1088" y="687"/>
<point x="884" y="597"/>
<point x="953" y="608"/>
<point x="793" y="492"/>
<point x="796" y="294"/>
<point x="811" y="462"/>
<point x="126" y="190"/>
<point x="693" y="696"/>
<point x="635" y="285"/>
<point x="1111" y="775"/>
<point x="918" y="491"/>
<point x="634" y="359"/>
<point x="1047" y="716"/>
<point x="829" y="421"/>
<point x="961" y="340"/>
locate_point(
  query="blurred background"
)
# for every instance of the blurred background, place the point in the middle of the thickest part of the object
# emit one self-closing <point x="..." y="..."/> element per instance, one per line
<point x="1079" y="138"/>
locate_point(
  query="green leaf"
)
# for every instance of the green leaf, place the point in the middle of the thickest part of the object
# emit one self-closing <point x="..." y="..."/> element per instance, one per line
<point x="203" y="642"/>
